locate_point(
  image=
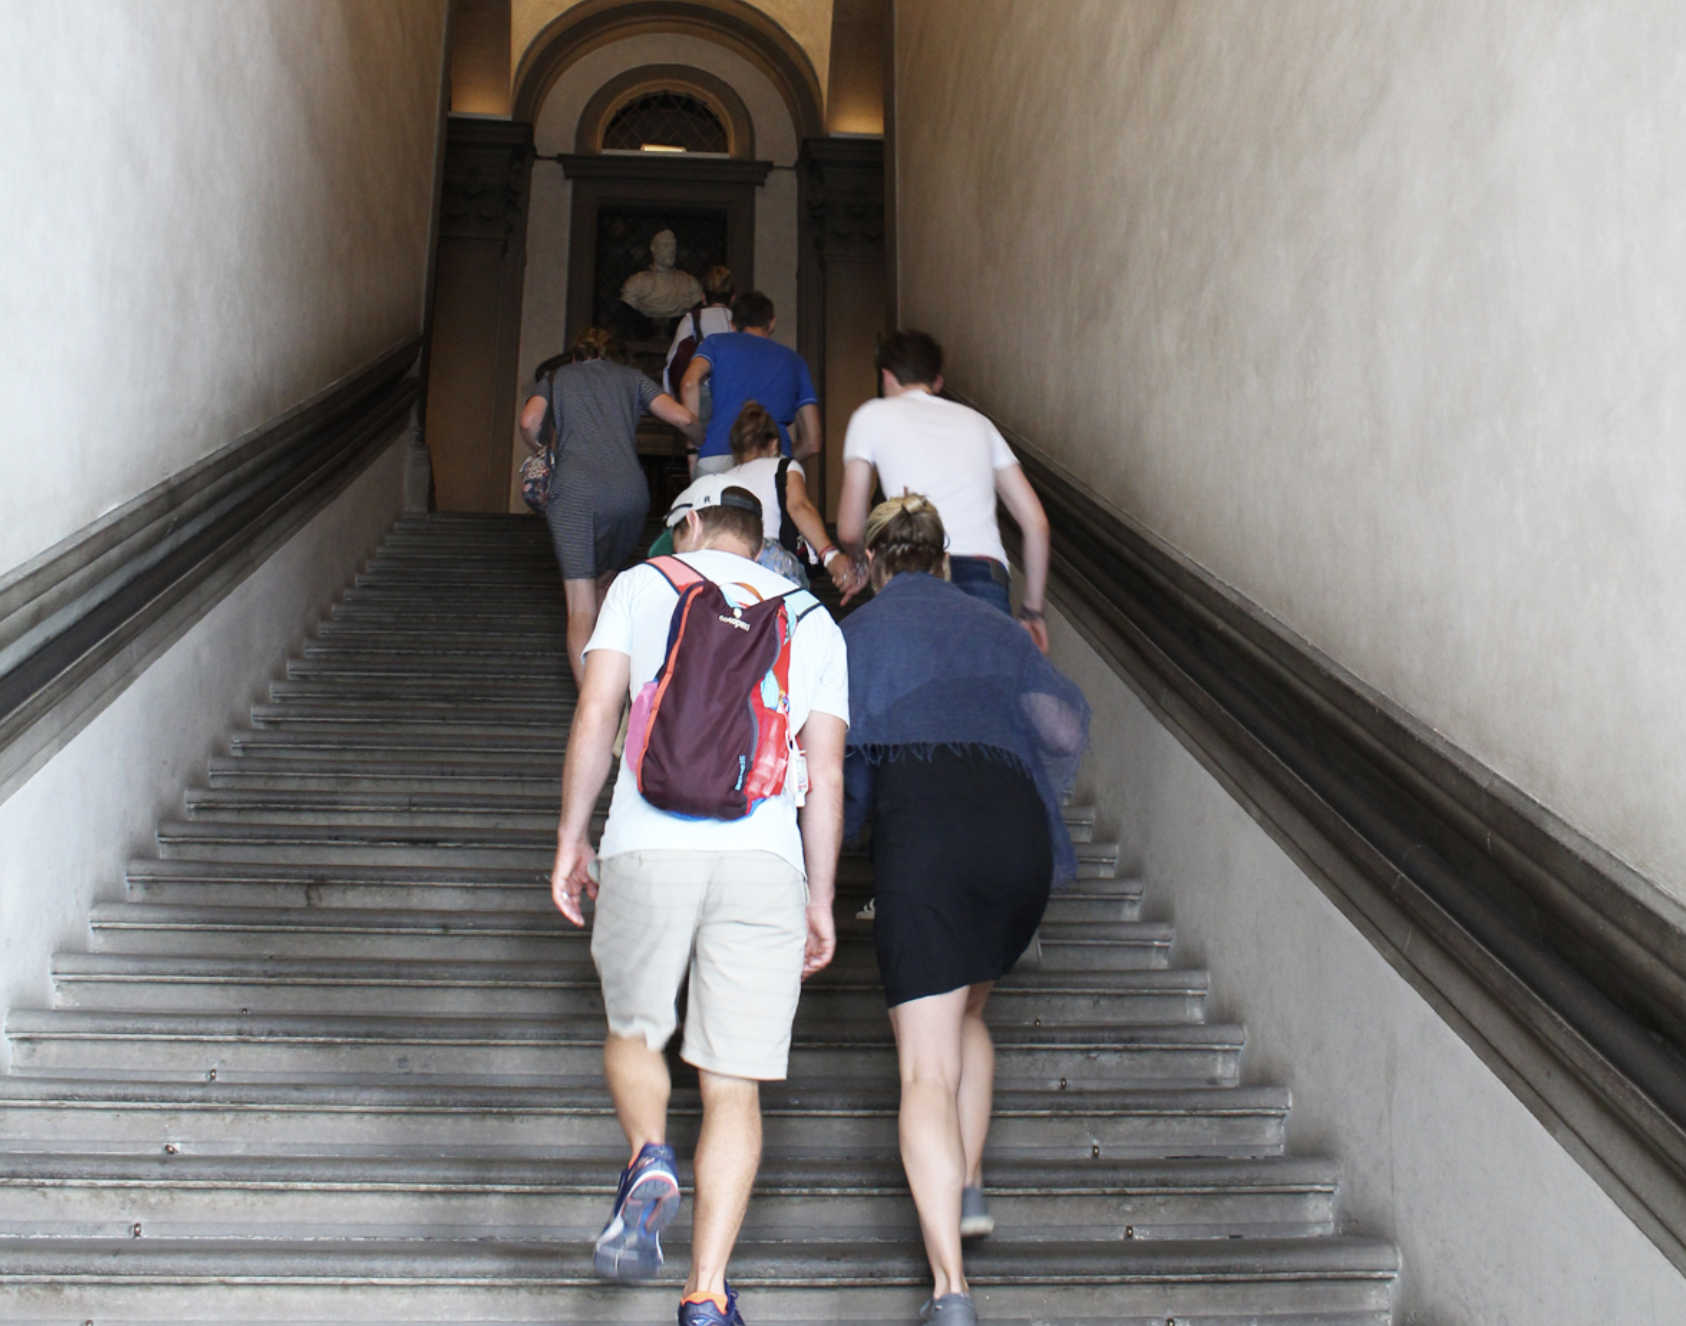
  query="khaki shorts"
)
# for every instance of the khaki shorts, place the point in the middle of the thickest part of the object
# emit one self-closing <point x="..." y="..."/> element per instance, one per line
<point x="736" y="921"/>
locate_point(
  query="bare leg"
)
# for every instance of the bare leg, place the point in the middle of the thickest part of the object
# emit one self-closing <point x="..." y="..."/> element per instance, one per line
<point x="582" y="618"/>
<point x="728" y="1154"/>
<point x="977" y="1081"/>
<point x="928" y="1050"/>
<point x="639" y="1084"/>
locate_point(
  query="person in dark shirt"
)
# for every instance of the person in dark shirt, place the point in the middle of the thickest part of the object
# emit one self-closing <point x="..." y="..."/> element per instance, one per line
<point x="747" y="364"/>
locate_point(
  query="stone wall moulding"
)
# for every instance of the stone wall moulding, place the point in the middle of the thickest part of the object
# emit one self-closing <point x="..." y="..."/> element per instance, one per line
<point x="84" y="619"/>
<point x="843" y="197"/>
<point x="738" y="27"/>
<point x="1561" y="968"/>
<point x="485" y="180"/>
<point x="714" y="92"/>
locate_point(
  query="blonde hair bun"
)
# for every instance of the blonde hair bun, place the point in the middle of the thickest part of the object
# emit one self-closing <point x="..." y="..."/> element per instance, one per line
<point x="906" y="534"/>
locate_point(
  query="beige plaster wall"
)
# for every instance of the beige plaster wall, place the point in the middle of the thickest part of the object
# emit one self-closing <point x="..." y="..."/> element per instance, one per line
<point x="854" y="102"/>
<point x="67" y="835"/>
<point x="1496" y="1223"/>
<point x="807" y="21"/>
<point x="1376" y="310"/>
<point x="480" y="77"/>
<point x="544" y="301"/>
<point x="212" y="211"/>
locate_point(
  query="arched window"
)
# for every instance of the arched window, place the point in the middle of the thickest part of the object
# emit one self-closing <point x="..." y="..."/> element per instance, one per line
<point x="665" y="122"/>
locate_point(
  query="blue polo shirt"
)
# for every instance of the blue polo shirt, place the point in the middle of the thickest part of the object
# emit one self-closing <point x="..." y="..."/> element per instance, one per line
<point x="744" y="367"/>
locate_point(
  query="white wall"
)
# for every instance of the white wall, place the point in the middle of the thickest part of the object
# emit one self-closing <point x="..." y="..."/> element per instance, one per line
<point x="213" y="210"/>
<point x="1376" y="310"/>
<point x="67" y="834"/>
<point x="545" y="296"/>
<point x="1496" y="1224"/>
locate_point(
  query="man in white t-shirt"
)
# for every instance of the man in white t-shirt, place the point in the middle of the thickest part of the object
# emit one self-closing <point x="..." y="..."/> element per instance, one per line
<point x="914" y="441"/>
<point x="743" y="907"/>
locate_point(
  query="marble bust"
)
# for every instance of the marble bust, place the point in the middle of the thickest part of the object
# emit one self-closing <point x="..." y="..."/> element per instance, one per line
<point x="661" y="290"/>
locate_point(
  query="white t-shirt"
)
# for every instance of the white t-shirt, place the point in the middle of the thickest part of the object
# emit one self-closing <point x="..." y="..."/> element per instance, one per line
<point x="920" y="443"/>
<point x="761" y="477"/>
<point x="634" y="621"/>
<point x="712" y="319"/>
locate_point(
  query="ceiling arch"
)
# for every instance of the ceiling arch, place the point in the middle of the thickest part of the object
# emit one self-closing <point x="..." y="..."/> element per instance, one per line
<point x="737" y="26"/>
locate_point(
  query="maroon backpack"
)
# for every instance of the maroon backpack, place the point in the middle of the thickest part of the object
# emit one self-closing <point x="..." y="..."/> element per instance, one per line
<point x="709" y="736"/>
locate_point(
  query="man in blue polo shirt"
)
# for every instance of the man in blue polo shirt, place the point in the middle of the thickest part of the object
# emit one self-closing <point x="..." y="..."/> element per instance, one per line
<point x="747" y="364"/>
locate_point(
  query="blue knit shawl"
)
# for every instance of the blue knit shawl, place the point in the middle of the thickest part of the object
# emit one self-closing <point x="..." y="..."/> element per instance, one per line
<point x="929" y="666"/>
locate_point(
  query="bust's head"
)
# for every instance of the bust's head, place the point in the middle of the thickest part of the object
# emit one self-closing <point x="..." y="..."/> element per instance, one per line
<point x="664" y="249"/>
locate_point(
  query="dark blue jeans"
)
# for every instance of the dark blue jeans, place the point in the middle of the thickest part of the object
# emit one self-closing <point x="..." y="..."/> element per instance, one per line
<point x="983" y="578"/>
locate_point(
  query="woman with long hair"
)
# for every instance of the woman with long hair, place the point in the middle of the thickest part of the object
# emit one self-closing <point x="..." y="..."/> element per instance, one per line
<point x="962" y="739"/>
<point x="598" y="496"/>
<point x="789" y="516"/>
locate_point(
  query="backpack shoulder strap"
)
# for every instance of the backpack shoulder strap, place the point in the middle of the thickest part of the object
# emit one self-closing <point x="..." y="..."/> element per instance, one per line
<point x="801" y="603"/>
<point x="677" y="573"/>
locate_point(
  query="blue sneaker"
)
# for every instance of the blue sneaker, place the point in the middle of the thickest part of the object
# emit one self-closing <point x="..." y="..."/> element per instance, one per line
<point x="630" y="1246"/>
<point x="706" y="1314"/>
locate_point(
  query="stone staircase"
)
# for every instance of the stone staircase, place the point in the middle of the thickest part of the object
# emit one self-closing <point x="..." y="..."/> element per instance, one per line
<point x="336" y="1059"/>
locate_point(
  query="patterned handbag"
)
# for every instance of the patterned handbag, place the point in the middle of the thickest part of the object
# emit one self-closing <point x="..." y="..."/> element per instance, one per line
<point x="535" y="479"/>
<point x="537" y="469"/>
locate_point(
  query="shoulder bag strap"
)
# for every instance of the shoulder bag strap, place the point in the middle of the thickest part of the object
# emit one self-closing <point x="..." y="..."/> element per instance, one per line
<point x="555" y="418"/>
<point x="677" y="573"/>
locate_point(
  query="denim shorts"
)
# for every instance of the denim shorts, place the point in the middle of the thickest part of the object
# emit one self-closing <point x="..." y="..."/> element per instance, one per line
<point x="983" y="578"/>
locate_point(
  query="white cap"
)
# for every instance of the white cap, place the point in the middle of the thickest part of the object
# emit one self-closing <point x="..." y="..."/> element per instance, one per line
<point x="712" y="490"/>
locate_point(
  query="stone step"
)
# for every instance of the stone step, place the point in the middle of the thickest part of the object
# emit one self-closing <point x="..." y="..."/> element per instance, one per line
<point x="415" y="627"/>
<point x="430" y="652"/>
<point x="492" y="564"/>
<point x="323" y="839"/>
<point x="157" y="929"/>
<point x="557" y="989"/>
<point x="222" y="1118"/>
<point x="463" y="589"/>
<point x="400" y="805"/>
<point x="399" y="802"/>
<point x="432" y="649"/>
<point x="433" y="888"/>
<point x="543" y="612"/>
<point x="1342" y="1279"/>
<point x="423" y="689"/>
<point x="487" y="705"/>
<point x="541" y="777"/>
<point x="355" y="844"/>
<point x="299" y="1047"/>
<point x="539" y="615"/>
<point x="542" y="729"/>
<point x="538" y="1196"/>
<point x="519" y="564"/>
<point x="402" y="801"/>
<point x="339" y="744"/>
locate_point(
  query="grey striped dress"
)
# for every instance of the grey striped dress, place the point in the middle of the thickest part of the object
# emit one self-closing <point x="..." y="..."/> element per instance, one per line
<point x="598" y="494"/>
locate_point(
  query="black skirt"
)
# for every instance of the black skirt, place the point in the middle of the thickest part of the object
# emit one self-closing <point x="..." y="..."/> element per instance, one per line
<point x="962" y="862"/>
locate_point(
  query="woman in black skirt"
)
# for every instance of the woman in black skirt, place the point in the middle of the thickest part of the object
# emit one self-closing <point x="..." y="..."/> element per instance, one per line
<point x="962" y="737"/>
